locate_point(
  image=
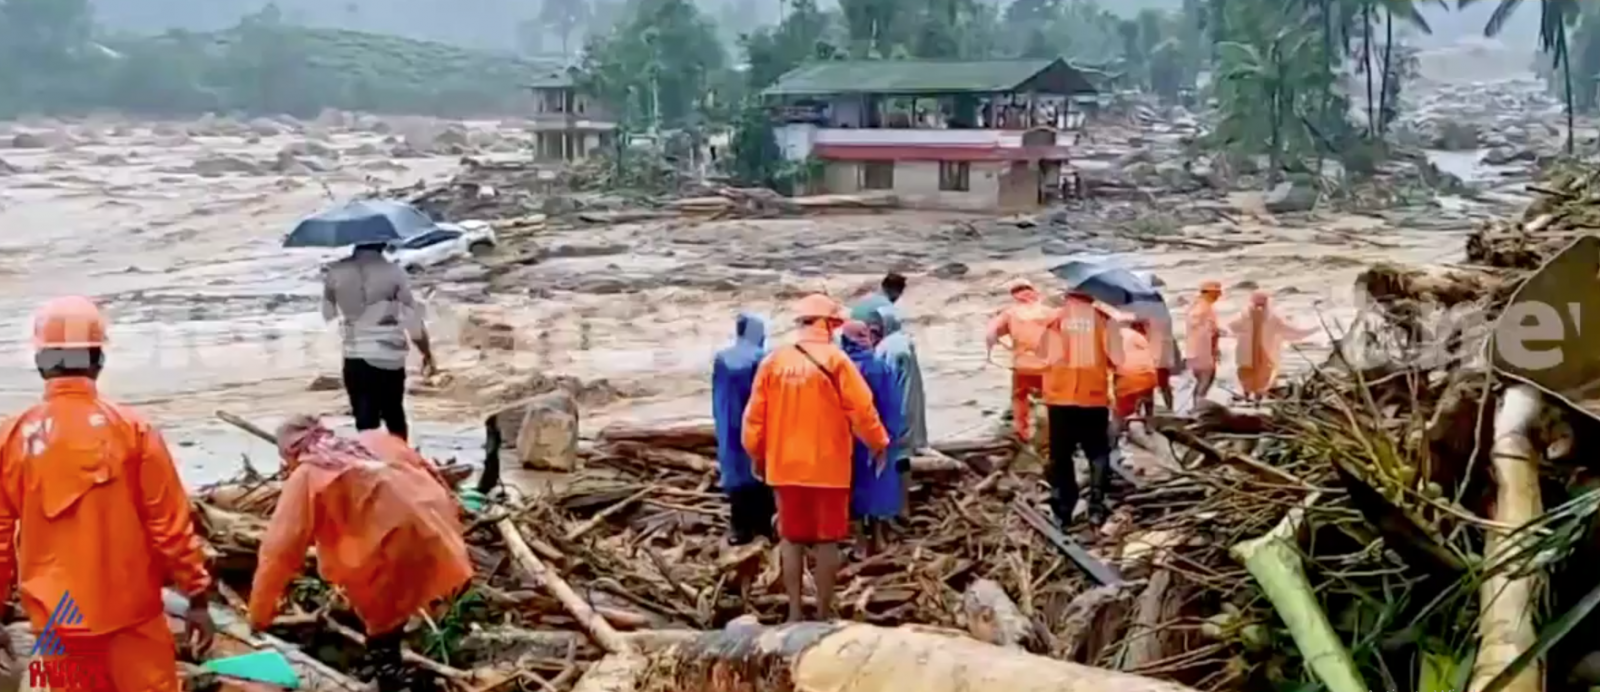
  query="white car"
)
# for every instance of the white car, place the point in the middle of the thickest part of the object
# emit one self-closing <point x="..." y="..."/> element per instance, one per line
<point x="446" y="242"/>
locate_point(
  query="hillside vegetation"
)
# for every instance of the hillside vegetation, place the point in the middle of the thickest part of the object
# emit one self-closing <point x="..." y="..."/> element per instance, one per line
<point x="52" y="61"/>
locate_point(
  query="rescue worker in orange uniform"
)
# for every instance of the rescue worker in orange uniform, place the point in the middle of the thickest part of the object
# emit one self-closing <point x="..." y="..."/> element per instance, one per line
<point x="1135" y="374"/>
<point x="387" y="532"/>
<point x="93" y="517"/>
<point x="1201" y="337"/>
<point x="1261" y="335"/>
<point x="808" y="404"/>
<point x="1025" y="322"/>
<point x="1077" y="396"/>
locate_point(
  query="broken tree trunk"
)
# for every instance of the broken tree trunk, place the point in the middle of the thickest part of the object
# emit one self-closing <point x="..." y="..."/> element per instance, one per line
<point x="992" y="617"/>
<point x="838" y="657"/>
<point x="591" y="621"/>
<point x="1273" y="560"/>
<point x="1506" y="626"/>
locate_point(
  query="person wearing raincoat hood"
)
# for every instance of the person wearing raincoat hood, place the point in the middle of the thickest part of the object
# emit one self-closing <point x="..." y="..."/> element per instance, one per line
<point x="387" y="533"/>
<point x="896" y="349"/>
<point x="875" y="497"/>
<point x="733" y="375"/>
<point x="1261" y="335"/>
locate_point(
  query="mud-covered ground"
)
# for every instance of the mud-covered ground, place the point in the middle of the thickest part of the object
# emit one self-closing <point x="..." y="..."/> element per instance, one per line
<point x="178" y="235"/>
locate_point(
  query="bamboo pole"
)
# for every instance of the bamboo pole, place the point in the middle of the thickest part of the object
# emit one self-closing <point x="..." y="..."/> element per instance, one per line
<point x="597" y="627"/>
<point x="1273" y="560"/>
<point x="1506" y="627"/>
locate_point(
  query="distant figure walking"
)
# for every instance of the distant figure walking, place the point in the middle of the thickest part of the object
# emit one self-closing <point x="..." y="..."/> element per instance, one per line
<point x="1261" y="335"/>
<point x="379" y="320"/>
<point x="1202" y="334"/>
<point x="1024" y="322"/>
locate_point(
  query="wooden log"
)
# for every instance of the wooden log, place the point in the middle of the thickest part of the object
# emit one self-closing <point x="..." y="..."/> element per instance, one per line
<point x="994" y="618"/>
<point x="852" y="657"/>
<point x="690" y="436"/>
<point x="591" y="621"/>
<point x="1146" y="640"/>
<point x="662" y="456"/>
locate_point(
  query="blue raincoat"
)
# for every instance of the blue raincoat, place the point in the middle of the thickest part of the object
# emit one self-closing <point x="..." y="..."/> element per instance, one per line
<point x="733" y="376"/>
<point x="896" y="349"/>
<point x="874" y="495"/>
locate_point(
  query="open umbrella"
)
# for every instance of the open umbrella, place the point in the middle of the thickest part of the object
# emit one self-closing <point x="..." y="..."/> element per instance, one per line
<point x="358" y="223"/>
<point x="1108" y="283"/>
<point x="1119" y="288"/>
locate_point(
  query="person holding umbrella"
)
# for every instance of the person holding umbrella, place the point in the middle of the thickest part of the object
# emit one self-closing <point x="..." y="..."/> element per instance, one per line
<point x="1080" y="352"/>
<point x="371" y="297"/>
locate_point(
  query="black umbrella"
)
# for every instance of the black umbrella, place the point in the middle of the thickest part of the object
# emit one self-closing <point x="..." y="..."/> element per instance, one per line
<point x="361" y="222"/>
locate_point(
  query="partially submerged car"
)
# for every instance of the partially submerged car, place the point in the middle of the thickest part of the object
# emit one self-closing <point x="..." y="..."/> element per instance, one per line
<point x="446" y="242"/>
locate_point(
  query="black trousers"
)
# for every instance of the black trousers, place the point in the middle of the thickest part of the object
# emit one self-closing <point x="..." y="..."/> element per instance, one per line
<point x="1071" y="428"/>
<point x="377" y="396"/>
<point x="750" y="512"/>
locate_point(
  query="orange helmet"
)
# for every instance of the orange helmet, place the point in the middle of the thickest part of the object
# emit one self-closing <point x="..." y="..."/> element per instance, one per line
<point x="1016" y="285"/>
<point x="69" y="322"/>
<point x="817" y="306"/>
<point x="1210" y="287"/>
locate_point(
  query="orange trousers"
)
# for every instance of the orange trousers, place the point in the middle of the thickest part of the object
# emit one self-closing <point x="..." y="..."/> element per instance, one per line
<point x="139" y="658"/>
<point x="1024" y="388"/>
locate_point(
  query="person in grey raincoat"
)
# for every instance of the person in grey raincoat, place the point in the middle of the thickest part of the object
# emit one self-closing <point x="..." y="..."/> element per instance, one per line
<point x="896" y="348"/>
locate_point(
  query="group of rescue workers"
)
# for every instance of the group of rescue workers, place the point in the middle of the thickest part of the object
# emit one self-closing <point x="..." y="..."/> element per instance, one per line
<point x="94" y="515"/>
<point x="816" y="433"/>
<point x="808" y="432"/>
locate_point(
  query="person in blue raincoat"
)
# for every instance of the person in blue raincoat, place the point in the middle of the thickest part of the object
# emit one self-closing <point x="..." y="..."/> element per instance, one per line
<point x="897" y="350"/>
<point x="733" y="374"/>
<point x="875" y="497"/>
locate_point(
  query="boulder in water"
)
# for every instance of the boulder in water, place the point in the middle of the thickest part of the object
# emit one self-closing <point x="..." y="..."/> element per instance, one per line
<point x="1290" y="197"/>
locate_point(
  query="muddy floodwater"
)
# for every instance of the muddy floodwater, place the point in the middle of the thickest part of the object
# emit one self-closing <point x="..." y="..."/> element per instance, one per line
<point x="179" y="238"/>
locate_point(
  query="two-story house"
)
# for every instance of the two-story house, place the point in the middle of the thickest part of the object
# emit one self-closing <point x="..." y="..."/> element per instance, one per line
<point x="568" y="125"/>
<point x="978" y="135"/>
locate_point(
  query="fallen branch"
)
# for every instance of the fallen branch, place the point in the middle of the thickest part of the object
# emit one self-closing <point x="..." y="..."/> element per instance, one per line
<point x="591" y="621"/>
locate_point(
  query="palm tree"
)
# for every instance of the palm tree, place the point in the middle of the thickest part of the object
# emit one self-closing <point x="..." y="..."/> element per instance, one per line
<point x="1554" y="18"/>
<point x="1277" y="67"/>
<point x="1409" y="11"/>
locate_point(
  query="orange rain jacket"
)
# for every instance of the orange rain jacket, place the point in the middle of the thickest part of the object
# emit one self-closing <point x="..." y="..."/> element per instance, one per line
<point x="90" y="491"/>
<point x="1079" y="356"/>
<point x="1026" y="324"/>
<point x="1202" y="334"/>
<point x="1261" y="335"/>
<point x="1136" y="369"/>
<point x="797" y="426"/>
<point x="385" y="531"/>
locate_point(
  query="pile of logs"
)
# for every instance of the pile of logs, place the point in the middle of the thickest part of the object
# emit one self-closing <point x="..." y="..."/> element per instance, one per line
<point x="626" y="558"/>
<point x="737" y="202"/>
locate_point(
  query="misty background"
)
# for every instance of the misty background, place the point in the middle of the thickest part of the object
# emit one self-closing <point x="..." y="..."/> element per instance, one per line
<point x="500" y="24"/>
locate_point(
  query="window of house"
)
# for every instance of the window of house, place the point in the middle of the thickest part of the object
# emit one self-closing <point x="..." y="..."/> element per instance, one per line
<point x="877" y="175"/>
<point x="955" y="176"/>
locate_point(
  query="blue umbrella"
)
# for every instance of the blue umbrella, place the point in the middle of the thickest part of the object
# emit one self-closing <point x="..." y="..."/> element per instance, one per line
<point x="360" y="222"/>
<point x="1117" y="287"/>
<point x="1108" y="283"/>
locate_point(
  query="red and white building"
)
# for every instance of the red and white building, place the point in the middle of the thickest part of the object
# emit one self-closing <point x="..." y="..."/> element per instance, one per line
<point x="981" y="135"/>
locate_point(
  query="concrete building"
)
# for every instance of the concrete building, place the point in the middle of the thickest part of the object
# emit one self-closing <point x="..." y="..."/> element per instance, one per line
<point x="567" y="124"/>
<point x="978" y="135"/>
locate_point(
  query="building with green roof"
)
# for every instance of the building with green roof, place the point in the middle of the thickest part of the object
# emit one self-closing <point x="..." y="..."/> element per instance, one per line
<point x="938" y="133"/>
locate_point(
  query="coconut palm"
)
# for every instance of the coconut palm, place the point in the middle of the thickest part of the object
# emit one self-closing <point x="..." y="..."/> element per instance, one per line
<point x="1555" y="16"/>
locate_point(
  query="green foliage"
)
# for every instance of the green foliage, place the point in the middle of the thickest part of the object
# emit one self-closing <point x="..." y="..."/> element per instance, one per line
<point x="658" y="64"/>
<point x="52" y="62"/>
<point x="1271" y="78"/>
